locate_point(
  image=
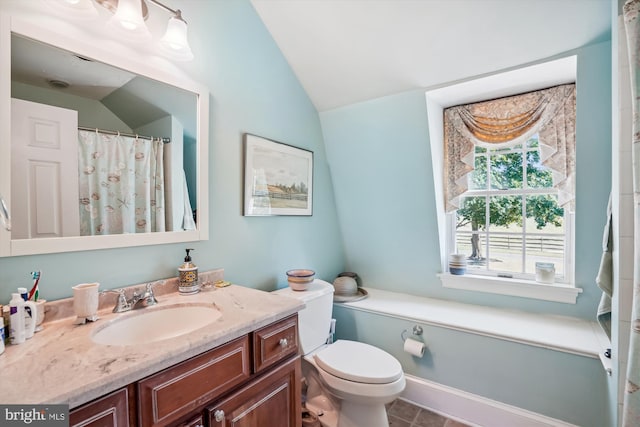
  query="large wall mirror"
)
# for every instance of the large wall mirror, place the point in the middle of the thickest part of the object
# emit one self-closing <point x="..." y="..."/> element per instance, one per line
<point x="97" y="151"/>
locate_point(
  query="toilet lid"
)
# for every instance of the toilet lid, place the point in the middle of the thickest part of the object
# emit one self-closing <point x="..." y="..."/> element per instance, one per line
<point x="359" y="362"/>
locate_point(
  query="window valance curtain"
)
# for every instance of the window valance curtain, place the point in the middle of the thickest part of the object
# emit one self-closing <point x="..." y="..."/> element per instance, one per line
<point x="509" y="121"/>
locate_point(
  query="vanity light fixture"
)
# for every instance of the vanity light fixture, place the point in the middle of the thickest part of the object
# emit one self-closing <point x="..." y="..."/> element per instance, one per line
<point x="128" y="23"/>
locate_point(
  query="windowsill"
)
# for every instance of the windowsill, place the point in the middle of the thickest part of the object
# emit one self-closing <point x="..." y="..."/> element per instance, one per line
<point x="513" y="287"/>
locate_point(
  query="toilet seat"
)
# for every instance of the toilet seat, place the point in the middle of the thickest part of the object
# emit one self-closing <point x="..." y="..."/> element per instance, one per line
<point x="358" y="362"/>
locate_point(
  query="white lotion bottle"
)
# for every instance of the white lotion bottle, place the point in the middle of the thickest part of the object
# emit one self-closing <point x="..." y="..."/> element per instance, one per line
<point x="17" y="312"/>
<point x="16" y="319"/>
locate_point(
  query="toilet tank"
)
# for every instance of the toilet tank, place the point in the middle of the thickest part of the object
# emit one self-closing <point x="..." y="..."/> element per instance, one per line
<point x="314" y="320"/>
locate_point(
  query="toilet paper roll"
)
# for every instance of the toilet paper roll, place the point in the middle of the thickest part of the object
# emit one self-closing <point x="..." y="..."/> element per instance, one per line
<point x="413" y="347"/>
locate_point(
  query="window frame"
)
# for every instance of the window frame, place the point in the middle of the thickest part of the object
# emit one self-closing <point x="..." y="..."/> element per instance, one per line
<point x="502" y="84"/>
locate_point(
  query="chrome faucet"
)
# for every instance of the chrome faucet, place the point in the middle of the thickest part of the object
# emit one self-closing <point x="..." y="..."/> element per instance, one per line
<point x="145" y="299"/>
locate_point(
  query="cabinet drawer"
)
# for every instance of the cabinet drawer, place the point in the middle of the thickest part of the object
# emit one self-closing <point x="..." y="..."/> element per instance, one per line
<point x="275" y="342"/>
<point x="175" y="392"/>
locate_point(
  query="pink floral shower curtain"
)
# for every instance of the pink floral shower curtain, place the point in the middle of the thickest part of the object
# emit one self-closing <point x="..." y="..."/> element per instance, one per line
<point x="631" y="413"/>
<point x="121" y="181"/>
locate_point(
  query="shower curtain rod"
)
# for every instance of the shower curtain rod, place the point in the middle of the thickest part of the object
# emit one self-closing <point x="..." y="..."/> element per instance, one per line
<point x="165" y="139"/>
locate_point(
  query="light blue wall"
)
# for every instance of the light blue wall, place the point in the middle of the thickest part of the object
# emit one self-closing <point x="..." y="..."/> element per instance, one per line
<point x="252" y="90"/>
<point x="380" y="162"/>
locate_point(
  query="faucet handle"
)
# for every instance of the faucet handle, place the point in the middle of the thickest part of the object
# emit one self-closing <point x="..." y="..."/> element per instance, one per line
<point x="122" y="304"/>
<point x="149" y="295"/>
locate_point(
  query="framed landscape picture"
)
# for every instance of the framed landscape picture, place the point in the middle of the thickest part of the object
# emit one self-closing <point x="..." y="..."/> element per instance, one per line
<point x="278" y="178"/>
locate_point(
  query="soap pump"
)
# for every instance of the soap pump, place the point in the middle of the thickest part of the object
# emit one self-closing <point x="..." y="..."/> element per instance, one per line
<point x="188" y="276"/>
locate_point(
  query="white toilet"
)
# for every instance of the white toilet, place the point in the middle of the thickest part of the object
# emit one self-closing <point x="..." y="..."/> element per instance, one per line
<point x="349" y="382"/>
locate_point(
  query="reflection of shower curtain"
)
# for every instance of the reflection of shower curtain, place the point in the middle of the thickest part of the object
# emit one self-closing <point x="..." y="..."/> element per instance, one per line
<point x="631" y="411"/>
<point x="121" y="184"/>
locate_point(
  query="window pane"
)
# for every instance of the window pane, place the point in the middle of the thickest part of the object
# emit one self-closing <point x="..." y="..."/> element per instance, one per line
<point x="506" y="171"/>
<point x="478" y="178"/>
<point x="471" y="214"/>
<point x="533" y="141"/>
<point x="545" y="249"/>
<point x="505" y="253"/>
<point x="463" y="243"/>
<point x="538" y="176"/>
<point x="473" y="246"/>
<point x="505" y="213"/>
<point x="497" y="149"/>
<point x="544" y="214"/>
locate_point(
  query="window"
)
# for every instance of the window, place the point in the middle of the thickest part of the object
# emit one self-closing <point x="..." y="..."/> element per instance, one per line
<point x="480" y="167"/>
<point x="510" y="165"/>
<point x="509" y="218"/>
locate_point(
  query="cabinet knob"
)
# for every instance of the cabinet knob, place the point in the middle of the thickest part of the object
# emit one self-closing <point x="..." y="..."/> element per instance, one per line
<point x="218" y="415"/>
<point x="283" y="342"/>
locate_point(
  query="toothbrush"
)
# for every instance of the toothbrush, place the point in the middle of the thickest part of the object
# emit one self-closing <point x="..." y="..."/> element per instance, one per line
<point x="33" y="294"/>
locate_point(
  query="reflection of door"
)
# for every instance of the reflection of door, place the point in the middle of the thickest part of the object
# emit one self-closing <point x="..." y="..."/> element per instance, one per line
<point x="44" y="170"/>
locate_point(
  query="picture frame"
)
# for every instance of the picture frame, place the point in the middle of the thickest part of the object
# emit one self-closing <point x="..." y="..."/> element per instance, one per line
<point x="278" y="178"/>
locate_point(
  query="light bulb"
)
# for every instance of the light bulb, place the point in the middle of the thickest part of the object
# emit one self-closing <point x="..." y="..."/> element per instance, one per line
<point x="175" y="43"/>
<point x="128" y="22"/>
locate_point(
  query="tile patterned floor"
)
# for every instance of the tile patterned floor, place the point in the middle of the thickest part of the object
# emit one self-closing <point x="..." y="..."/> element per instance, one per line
<point x="404" y="414"/>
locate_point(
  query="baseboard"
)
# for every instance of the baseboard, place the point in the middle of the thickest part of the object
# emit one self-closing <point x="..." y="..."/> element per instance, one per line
<point x="472" y="409"/>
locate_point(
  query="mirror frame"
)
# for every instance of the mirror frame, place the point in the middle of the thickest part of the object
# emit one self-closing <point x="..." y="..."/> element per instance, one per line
<point x="16" y="247"/>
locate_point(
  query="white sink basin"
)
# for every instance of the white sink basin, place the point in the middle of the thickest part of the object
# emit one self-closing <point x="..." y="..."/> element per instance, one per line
<point x="153" y="324"/>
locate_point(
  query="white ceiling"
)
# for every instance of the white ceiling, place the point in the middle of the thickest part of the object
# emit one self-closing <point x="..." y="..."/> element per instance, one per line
<point x="347" y="51"/>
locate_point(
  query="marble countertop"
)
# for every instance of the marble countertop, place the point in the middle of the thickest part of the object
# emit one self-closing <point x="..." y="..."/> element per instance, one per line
<point x="61" y="364"/>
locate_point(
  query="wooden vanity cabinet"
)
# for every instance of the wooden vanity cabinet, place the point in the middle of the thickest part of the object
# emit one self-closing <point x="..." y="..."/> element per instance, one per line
<point x="109" y="410"/>
<point x="252" y="381"/>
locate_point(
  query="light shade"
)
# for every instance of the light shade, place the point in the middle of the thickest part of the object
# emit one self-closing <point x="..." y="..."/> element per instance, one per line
<point x="75" y="9"/>
<point x="128" y="22"/>
<point x="174" y="44"/>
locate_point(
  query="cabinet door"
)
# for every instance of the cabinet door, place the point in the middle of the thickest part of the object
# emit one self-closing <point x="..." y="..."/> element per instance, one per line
<point x="271" y="400"/>
<point x="111" y="410"/>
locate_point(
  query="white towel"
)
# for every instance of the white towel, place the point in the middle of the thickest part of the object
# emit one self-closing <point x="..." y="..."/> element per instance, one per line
<point x="604" y="279"/>
<point x="187" y="222"/>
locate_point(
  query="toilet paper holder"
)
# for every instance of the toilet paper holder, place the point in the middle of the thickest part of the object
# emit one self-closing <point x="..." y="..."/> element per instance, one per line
<point x="417" y="330"/>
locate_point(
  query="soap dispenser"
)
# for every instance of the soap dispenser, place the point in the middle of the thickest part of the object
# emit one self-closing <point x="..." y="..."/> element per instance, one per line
<point x="188" y="276"/>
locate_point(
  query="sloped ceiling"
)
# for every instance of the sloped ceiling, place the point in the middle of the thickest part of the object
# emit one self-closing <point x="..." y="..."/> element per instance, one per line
<point x="347" y="51"/>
